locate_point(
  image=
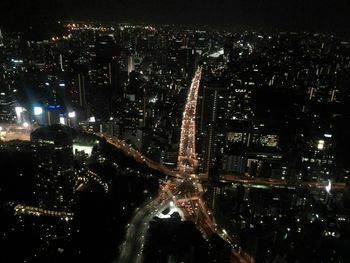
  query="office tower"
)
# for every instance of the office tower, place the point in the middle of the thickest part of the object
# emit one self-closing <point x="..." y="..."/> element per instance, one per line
<point x="317" y="160"/>
<point x="212" y="110"/>
<point x="79" y="93"/>
<point x="82" y="90"/>
<point x="53" y="154"/>
<point x="252" y="150"/>
<point x="103" y="75"/>
<point x="131" y="63"/>
<point x="187" y="59"/>
<point x="1" y="39"/>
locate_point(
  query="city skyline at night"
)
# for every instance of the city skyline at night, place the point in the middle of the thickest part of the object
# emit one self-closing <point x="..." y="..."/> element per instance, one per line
<point x="169" y="131"/>
<point x="322" y="16"/>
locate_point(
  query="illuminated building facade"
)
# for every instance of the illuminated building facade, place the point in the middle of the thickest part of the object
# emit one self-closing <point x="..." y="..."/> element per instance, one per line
<point x="212" y="110"/>
<point x="238" y="101"/>
<point x="318" y="158"/>
<point x="253" y="151"/>
<point x="222" y="101"/>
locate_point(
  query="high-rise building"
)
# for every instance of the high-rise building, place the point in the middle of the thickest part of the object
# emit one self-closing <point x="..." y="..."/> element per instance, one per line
<point x="1" y="39"/>
<point x="104" y="76"/>
<point x="82" y="90"/>
<point x="238" y="101"/>
<point x="249" y="149"/>
<point x="212" y="110"/>
<point x="78" y="93"/>
<point x="7" y="103"/>
<point x="318" y="159"/>
<point x="53" y="153"/>
<point x="131" y="63"/>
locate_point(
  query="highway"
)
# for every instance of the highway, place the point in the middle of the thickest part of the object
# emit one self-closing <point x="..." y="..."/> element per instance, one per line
<point x="131" y="251"/>
<point x="139" y="157"/>
<point x="18" y="132"/>
<point x="187" y="194"/>
<point x="225" y="178"/>
<point x="133" y="246"/>
<point x="187" y="160"/>
<point x="187" y="164"/>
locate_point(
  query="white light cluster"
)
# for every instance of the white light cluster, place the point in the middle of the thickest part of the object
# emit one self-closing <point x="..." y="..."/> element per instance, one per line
<point x="71" y="114"/>
<point x="320" y="144"/>
<point x="38" y="111"/>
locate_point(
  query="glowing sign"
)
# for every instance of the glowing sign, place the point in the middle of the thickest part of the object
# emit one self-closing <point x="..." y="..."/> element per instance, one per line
<point x="240" y="90"/>
<point x="62" y="121"/>
<point x="38" y="110"/>
<point x="54" y="106"/>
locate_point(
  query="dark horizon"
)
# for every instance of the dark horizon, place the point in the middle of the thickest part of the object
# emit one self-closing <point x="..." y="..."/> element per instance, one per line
<point x="320" y="16"/>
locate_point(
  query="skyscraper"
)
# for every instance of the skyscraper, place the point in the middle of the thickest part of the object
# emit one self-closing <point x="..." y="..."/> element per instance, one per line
<point x="53" y="153"/>
<point x="1" y="39"/>
<point x="104" y="76"/>
<point x="212" y="116"/>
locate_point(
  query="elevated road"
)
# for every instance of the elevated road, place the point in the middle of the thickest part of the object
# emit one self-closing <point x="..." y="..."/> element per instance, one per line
<point x="132" y="248"/>
<point x="225" y="178"/>
<point x="187" y="161"/>
<point x="192" y="202"/>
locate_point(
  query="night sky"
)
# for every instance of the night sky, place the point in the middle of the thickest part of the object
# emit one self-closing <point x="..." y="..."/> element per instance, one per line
<point x="314" y="15"/>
